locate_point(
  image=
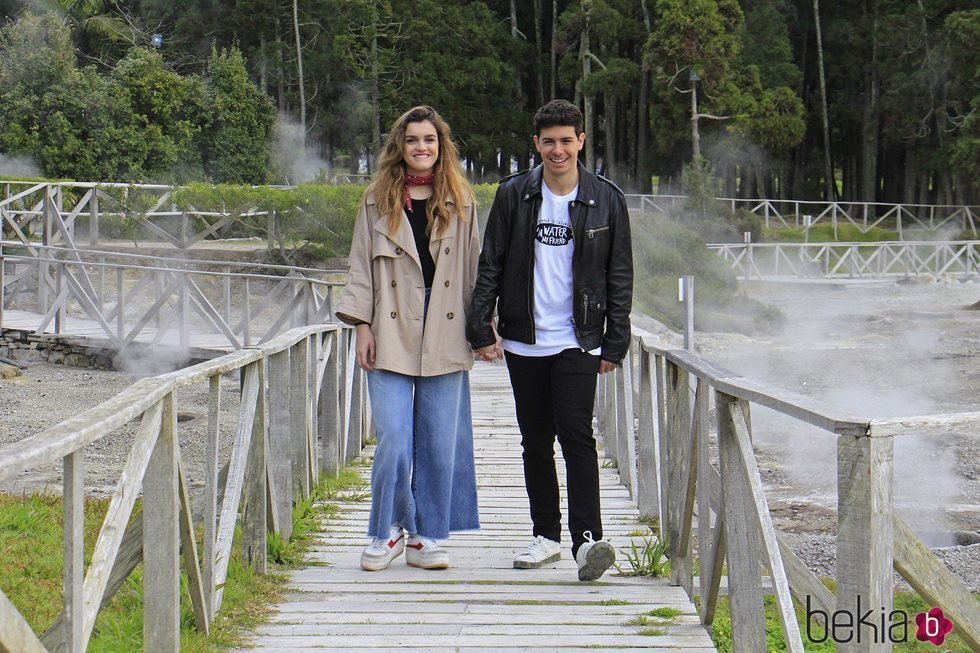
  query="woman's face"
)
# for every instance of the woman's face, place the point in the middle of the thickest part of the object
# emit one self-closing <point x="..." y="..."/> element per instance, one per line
<point x="420" y="148"/>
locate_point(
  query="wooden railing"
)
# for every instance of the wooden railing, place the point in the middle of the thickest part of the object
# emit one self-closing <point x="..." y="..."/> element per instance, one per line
<point x="667" y="462"/>
<point x="156" y="299"/>
<point x="852" y="260"/>
<point x="302" y="412"/>
<point x="863" y="215"/>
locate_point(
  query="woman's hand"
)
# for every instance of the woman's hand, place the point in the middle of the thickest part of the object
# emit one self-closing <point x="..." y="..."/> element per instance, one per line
<point x="365" y="347"/>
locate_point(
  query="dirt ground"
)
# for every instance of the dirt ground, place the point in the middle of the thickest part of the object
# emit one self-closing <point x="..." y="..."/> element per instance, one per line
<point x="871" y="350"/>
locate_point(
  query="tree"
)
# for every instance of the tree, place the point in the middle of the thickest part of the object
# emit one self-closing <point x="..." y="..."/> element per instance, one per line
<point x="234" y="146"/>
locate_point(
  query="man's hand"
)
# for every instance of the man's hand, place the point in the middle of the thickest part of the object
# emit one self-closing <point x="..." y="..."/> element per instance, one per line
<point x="606" y="366"/>
<point x="365" y="347"/>
<point x="492" y="352"/>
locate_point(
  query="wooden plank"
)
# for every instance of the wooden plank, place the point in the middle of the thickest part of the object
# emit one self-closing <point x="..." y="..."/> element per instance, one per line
<point x="328" y="415"/>
<point x="188" y="546"/>
<point x="299" y="419"/>
<point x="258" y="491"/>
<point x="648" y="464"/>
<point x="763" y="523"/>
<point x="678" y="465"/>
<point x="236" y="477"/>
<point x="280" y="442"/>
<point x="626" y="437"/>
<point x="865" y="536"/>
<point x="935" y="583"/>
<point x="885" y="428"/>
<point x="161" y="542"/>
<point x="210" y="495"/>
<point x="16" y="635"/>
<point x="74" y="539"/>
<point x="741" y="537"/>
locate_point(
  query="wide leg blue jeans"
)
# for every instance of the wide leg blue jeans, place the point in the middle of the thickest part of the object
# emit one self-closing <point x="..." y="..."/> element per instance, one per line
<point x="423" y="475"/>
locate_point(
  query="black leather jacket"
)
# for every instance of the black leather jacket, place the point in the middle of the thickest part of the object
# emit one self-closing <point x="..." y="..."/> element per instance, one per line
<point x="602" y="265"/>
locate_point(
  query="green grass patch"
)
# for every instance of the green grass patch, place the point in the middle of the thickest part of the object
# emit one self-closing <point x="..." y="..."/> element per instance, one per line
<point x="824" y="233"/>
<point x="31" y="569"/>
<point x="648" y="559"/>
<point x="910" y="603"/>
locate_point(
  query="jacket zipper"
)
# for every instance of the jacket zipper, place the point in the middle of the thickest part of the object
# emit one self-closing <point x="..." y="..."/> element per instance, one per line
<point x="592" y="232"/>
<point x="585" y="309"/>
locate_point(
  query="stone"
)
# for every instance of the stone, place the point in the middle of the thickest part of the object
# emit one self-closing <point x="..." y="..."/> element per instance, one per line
<point x="77" y="360"/>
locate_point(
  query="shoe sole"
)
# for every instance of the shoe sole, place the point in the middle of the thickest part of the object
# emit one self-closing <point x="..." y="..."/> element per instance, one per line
<point x="439" y="564"/>
<point x="597" y="560"/>
<point x="527" y="564"/>
<point x="380" y="565"/>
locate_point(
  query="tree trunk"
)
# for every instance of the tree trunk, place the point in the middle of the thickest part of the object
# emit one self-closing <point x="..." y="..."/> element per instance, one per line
<point x="695" y="132"/>
<point x="299" y="73"/>
<point x="830" y="183"/>
<point x="612" y="168"/>
<point x="280" y="86"/>
<point x="643" y="178"/>
<point x="513" y="19"/>
<point x="374" y="148"/>
<point x="538" y="68"/>
<point x="869" y="121"/>
<point x="589" y="102"/>
<point x="554" y="49"/>
<point x="263" y="66"/>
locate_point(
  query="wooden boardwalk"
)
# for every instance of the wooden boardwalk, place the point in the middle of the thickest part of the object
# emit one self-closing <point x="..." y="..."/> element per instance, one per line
<point x="480" y="603"/>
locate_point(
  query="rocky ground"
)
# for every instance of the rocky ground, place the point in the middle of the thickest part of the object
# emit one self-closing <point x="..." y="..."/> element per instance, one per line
<point x="873" y="351"/>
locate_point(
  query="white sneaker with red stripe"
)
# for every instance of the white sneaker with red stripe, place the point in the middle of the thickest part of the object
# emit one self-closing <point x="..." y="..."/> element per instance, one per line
<point x="425" y="553"/>
<point x="381" y="551"/>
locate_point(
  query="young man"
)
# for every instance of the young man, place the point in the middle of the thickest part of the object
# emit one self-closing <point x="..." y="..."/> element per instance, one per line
<point x="557" y="266"/>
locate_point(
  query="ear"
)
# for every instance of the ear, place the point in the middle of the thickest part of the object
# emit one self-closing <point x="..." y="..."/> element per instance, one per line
<point x="581" y="140"/>
<point x="535" y="140"/>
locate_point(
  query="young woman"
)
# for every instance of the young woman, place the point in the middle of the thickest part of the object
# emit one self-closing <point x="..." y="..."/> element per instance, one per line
<point x="413" y="266"/>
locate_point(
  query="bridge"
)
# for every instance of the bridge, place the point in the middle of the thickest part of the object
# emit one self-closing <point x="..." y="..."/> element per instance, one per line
<point x="676" y="431"/>
<point x="677" y="446"/>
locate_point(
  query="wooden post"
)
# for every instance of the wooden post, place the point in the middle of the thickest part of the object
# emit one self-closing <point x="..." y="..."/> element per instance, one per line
<point x="161" y="541"/>
<point x="865" y="534"/>
<point x="648" y="464"/>
<point x="743" y="543"/>
<point x="355" y="432"/>
<point x="185" y="313"/>
<point x="280" y="465"/>
<point x="74" y="539"/>
<point x="254" y="513"/>
<point x="211" y="491"/>
<point x="246" y="316"/>
<point x="328" y="415"/>
<point x="678" y="468"/>
<point x="661" y="409"/>
<point x="626" y="439"/>
<point x="299" y="418"/>
<point x="93" y="219"/>
<point x="120" y="307"/>
<point x="610" y="435"/>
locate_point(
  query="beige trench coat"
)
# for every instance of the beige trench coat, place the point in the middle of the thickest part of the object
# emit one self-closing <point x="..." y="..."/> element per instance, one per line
<point x="385" y="289"/>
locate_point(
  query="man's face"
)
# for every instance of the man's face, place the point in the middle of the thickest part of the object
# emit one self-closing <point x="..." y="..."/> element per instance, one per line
<point x="559" y="148"/>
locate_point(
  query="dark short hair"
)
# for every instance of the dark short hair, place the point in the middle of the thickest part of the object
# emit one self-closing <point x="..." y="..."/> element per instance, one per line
<point x="558" y="113"/>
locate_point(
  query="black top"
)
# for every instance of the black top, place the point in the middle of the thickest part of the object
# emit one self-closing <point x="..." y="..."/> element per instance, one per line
<point x="416" y="217"/>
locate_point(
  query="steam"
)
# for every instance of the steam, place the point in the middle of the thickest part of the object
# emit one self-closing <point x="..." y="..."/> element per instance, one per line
<point x="293" y="155"/>
<point x="18" y="166"/>
<point x="876" y="353"/>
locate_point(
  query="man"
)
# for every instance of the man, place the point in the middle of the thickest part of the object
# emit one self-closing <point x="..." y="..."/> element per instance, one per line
<point x="557" y="265"/>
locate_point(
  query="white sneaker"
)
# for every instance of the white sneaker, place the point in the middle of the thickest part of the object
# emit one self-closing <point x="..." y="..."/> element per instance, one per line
<point x="425" y="553"/>
<point x="540" y="552"/>
<point x="594" y="558"/>
<point x="381" y="551"/>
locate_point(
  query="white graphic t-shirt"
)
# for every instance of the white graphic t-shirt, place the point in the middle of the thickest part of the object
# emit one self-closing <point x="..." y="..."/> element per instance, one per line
<point x="553" y="249"/>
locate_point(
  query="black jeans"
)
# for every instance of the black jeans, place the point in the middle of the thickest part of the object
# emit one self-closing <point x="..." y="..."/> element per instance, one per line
<point x="554" y="396"/>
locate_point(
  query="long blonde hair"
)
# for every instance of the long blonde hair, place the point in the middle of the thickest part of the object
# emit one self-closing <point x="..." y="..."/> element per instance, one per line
<point x="449" y="184"/>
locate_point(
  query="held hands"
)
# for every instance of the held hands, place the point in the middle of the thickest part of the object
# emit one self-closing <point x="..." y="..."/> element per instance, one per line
<point x="492" y="352"/>
<point x="606" y="366"/>
<point x="365" y="347"/>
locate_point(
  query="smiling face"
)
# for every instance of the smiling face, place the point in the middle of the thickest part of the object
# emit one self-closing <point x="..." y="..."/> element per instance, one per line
<point x="420" y="148"/>
<point x="559" y="147"/>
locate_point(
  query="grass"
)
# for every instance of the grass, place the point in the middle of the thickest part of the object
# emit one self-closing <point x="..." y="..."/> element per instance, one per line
<point x="31" y="563"/>
<point x="650" y="559"/>
<point x="823" y="232"/>
<point x="910" y="603"/>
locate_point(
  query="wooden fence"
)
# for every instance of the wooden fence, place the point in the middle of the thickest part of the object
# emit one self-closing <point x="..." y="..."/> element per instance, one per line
<point x="863" y="215"/>
<point x="689" y="413"/>
<point x="302" y="412"/>
<point x="852" y="260"/>
<point x="125" y="297"/>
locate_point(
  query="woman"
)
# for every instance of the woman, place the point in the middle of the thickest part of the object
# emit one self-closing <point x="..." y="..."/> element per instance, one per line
<point x="413" y="266"/>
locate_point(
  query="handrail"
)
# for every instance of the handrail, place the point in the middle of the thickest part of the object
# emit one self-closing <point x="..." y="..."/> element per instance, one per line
<point x="851" y="260"/>
<point x="141" y="302"/>
<point x="678" y="456"/>
<point x="307" y="374"/>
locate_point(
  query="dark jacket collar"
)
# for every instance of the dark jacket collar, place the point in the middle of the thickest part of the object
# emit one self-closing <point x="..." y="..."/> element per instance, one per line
<point x="586" y="184"/>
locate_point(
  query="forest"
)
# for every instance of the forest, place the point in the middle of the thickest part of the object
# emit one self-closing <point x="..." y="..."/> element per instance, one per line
<point x="858" y="100"/>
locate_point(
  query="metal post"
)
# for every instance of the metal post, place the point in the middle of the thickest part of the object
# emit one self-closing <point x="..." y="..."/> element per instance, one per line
<point x="685" y="295"/>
